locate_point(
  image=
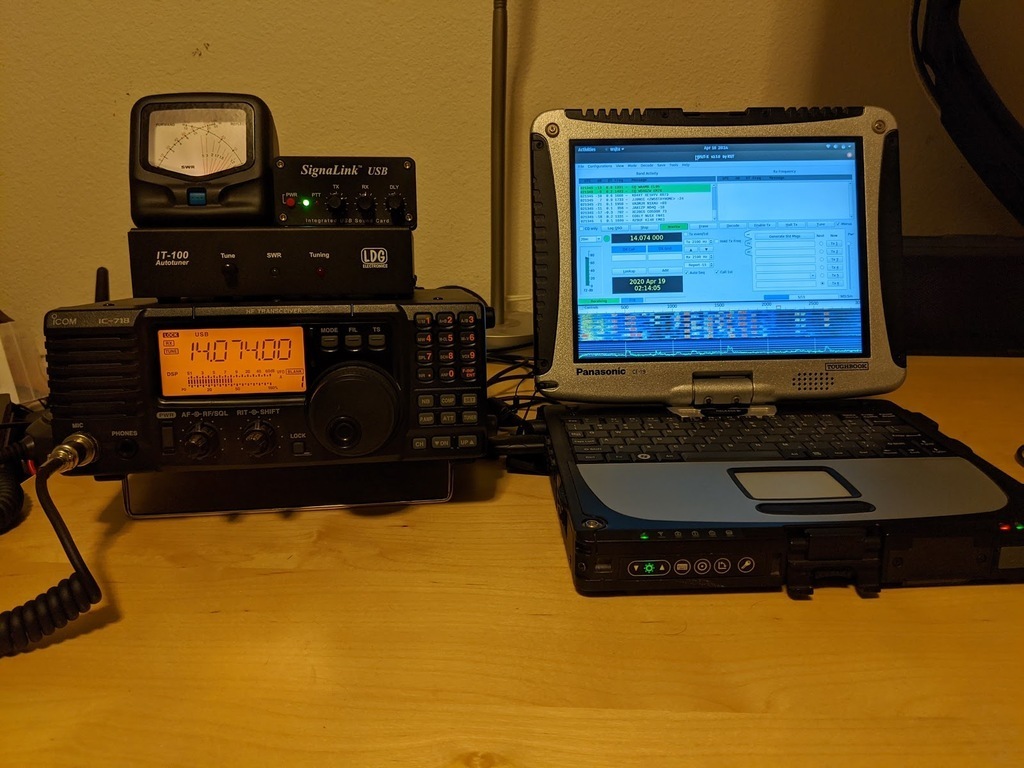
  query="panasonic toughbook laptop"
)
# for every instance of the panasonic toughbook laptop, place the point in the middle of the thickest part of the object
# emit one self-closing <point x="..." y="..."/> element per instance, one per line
<point x="721" y="288"/>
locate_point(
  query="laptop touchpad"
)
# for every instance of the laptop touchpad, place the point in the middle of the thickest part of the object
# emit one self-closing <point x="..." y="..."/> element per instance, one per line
<point x="793" y="484"/>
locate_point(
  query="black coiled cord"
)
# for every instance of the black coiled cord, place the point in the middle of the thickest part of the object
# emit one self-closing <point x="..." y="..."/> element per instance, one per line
<point x="12" y="498"/>
<point x="57" y="606"/>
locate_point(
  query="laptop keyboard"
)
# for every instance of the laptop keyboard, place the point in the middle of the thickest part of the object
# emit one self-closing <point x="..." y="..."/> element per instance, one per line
<point x="610" y="438"/>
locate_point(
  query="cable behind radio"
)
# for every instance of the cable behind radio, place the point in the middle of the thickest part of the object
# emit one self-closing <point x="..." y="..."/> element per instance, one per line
<point x="71" y="597"/>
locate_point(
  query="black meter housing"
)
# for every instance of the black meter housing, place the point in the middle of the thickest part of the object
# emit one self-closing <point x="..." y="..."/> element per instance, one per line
<point x="201" y="159"/>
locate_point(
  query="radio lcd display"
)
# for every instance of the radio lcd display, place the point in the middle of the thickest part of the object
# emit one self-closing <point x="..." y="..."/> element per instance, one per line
<point x="231" y="361"/>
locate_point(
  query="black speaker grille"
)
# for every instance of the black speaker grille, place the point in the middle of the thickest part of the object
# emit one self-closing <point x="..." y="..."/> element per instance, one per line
<point x="94" y="376"/>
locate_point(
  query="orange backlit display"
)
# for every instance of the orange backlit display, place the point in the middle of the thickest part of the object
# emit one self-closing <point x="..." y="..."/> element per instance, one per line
<point x="231" y="361"/>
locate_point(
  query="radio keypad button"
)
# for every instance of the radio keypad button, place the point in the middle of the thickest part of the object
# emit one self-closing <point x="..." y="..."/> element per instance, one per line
<point x="425" y="401"/>
<point x="377" y="341"/>
<point x="446" y="338"/>
<point x="167" y="439"/>
<point x="449" y="418"/>
<point x="441" y="441"/>
<point x="446" y="356"/>
<point x="468" y="441"/>
<point x="353" y="341"/>
<point x="423" y="319"/>
<point x="419" y="443"/>
<point x="424" y="339"/>
<point x="426" y="419"/>
<point x="445" y="319"/>
<point x="298" y="447"/>
<point x="467" y="355"/>
<point x="329" y="341"/>
<point x="467" y="338"/>
<point x="447" y="400"/>
<point x="425" y="375"/>
<point x="470" y="399"/>
<point x="446" y="374"/>
<point x="424" y="356"/>
<point x="470" y="417"/>
<point x="468" y="373"/>
<point x="467" y="319"/>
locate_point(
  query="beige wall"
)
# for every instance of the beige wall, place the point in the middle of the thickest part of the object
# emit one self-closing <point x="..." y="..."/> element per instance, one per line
<point x="412" y="77"/>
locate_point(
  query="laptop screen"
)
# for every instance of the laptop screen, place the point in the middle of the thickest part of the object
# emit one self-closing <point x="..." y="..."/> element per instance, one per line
<point x="716" y="257"/>
<point x="718" y="250"/>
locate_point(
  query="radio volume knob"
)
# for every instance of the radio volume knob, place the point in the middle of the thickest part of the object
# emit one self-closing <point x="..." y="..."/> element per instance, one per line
<point x="258" y="439"/>
<point x="200" y="442"/>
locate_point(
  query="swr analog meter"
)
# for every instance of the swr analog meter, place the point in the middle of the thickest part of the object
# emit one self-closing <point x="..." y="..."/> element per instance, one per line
<point x="201" y="158"/>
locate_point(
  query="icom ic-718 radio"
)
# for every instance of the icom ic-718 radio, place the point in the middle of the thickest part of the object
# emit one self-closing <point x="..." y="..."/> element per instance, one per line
<point x="226" y="386"/>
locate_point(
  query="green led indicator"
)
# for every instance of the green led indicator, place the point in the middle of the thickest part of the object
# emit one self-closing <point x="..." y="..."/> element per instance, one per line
<point x="648" y="567"/>
<point x="645" y="536"/>
<point x="1019" y="526"/>
<point x="306" y="202"/>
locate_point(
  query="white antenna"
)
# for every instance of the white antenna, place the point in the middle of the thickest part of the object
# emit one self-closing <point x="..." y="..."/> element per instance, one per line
<point x="511" y="329"/>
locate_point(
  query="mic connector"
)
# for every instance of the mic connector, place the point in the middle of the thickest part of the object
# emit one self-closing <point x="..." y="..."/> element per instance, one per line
<point x="78" y="449"/>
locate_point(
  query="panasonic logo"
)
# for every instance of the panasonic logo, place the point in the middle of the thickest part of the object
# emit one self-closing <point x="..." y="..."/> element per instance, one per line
<point x="600" y="371"/>
<point x="313" y="171"/>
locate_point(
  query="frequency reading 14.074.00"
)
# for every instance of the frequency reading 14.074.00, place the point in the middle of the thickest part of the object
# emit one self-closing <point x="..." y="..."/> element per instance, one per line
<point x="231" y="361"/>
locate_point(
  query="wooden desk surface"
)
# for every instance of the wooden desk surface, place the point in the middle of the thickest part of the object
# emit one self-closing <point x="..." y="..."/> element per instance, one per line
<point x="450" y="635"/>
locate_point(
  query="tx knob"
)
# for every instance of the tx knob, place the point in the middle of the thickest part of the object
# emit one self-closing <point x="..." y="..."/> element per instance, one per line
<point x="336" y="203"/>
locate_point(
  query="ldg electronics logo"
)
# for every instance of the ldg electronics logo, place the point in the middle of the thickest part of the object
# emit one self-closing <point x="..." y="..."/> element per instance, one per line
<point x="374" y="258"/>
<point x="600" y="371"/>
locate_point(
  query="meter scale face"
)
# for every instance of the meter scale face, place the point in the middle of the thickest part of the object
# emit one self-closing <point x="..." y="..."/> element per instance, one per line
<point x="198" y="142"/>
<point x="201" y="160"/>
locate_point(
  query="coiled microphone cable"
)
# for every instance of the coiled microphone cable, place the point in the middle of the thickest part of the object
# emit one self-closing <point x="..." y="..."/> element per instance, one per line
<point x="72" y="596"/>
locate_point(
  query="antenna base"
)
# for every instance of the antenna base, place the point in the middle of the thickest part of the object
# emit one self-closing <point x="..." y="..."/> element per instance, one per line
<point x="516" y="331"/>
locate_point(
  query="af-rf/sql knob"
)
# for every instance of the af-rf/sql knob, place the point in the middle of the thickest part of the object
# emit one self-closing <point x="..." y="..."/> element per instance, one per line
<point x="200" y="442"/>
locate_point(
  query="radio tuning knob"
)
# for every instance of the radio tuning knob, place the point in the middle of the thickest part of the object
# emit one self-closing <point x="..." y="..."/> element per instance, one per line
<point x="258" y="439"/>
<point x="354" y="409"/>
<point x="200" y="442"/>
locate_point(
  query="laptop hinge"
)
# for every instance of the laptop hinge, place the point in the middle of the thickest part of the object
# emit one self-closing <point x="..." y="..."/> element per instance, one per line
<point x="723" y="395"/>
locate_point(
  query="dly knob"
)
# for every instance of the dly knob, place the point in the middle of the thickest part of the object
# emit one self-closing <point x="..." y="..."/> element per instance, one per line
<point x="396" y="207"/>
<point x="200" y="442"/>
<point x="354" y="409"/>
<point x="258" y="439"/>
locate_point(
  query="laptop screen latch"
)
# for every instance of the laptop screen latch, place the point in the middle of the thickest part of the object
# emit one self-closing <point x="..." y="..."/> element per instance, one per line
<point x="724" y="396"/>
